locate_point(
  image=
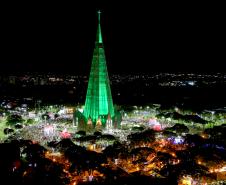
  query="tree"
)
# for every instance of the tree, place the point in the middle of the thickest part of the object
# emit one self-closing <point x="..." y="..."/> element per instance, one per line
<point x="30" y="121"/>
<point x="179" y="128"/>
<point x="97" y="133"/>
<point x="142" y="152"/>
<point x="80" y="133"/>
<point x="64" y="144"/>
<point x="8" y="131"/>
<point x="13" y="119"/>
<point x="34" y="152"/>
<point x="56" y="116"/>
<point x="18" y="126"/>
<point x="45" y="116"/>
<point x="138" y="129"/>
<point x="142" y="137"/>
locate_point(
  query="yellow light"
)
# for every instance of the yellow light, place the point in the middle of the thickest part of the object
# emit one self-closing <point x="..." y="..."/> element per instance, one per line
<point x="216" y="170"/>
<point x="25" y="173"/>
<point x="91" y="147"/>
<point x="186" y="181"/>
<point x="173" y="154"/>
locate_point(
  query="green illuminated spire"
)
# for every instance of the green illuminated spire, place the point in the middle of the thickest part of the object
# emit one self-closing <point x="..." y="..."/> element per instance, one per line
<point x="98" y="98"/>
<point x="99" y="36"/>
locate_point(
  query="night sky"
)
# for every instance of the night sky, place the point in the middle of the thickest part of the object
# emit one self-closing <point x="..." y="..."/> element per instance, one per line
<point x="137" y="37"/>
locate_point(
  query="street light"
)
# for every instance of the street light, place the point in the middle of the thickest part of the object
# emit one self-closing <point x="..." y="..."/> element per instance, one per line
<point x="212" y="112"/>
<point x="45" y="119"/>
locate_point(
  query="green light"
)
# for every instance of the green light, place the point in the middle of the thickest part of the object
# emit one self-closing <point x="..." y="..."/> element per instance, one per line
<point x="100" y="37"/>
<point x="98" y="98"/>
<point x="99" y="29"/>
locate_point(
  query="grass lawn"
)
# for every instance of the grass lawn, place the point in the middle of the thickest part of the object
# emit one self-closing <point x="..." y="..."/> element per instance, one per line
<point x="2" y="126"/>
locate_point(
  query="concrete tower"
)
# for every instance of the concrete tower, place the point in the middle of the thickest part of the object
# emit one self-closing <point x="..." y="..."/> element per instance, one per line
<point x="98" y="104"/>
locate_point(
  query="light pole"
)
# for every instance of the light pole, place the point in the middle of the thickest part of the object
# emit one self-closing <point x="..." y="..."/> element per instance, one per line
<point x="212" y="113"/>
<point x="45" y="119"/>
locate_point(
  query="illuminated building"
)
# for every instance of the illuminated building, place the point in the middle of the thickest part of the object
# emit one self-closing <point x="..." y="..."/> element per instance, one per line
<point x="98" y="104"/>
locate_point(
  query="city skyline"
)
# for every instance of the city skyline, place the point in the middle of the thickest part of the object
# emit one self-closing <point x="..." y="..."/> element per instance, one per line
<point x="108" y="93"/>
<point x="137" y="39"/>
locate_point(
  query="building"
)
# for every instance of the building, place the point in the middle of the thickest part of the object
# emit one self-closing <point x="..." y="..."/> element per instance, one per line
<point x="98" y="103"/>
